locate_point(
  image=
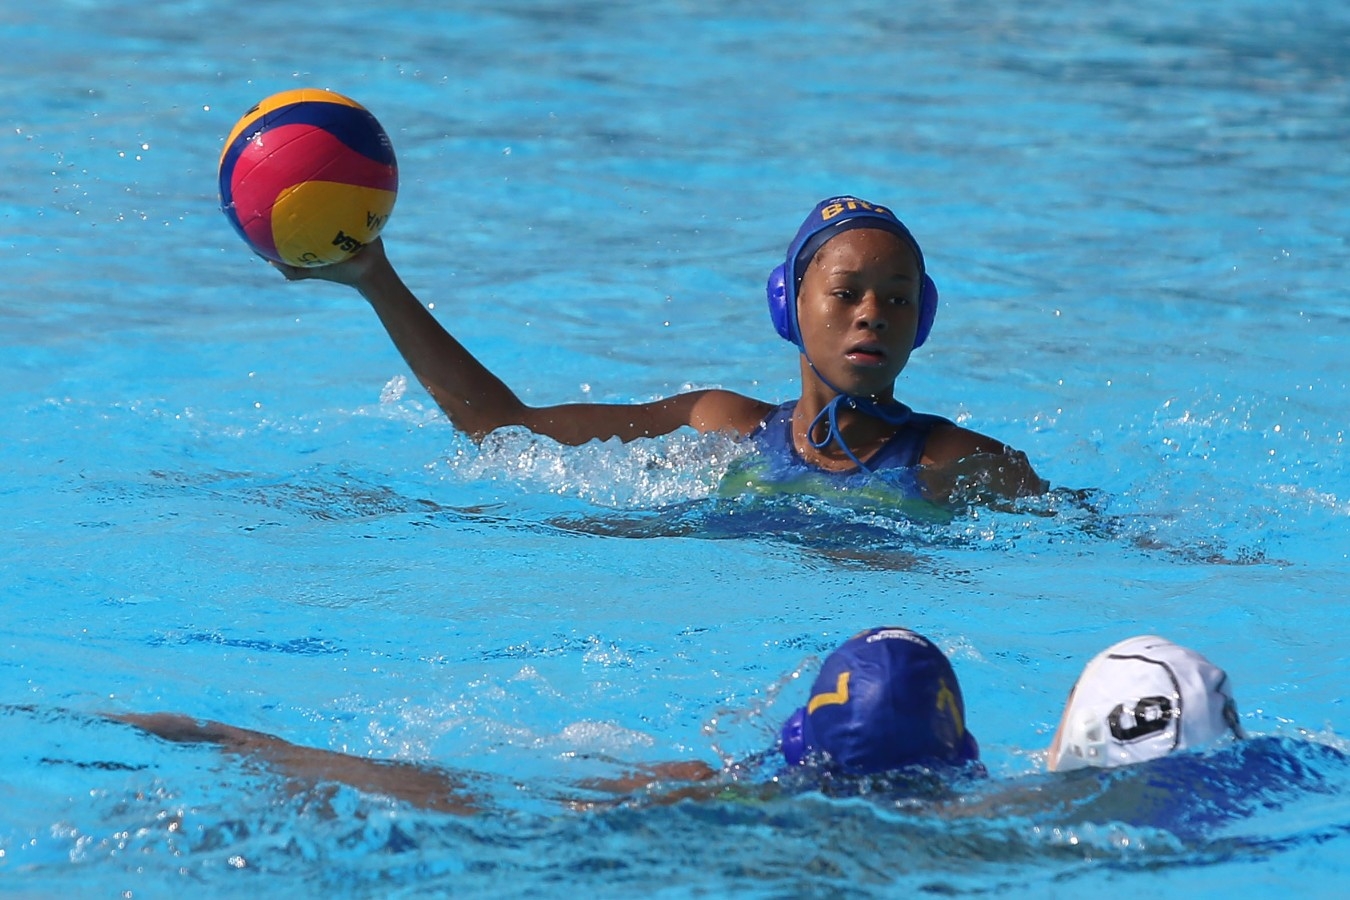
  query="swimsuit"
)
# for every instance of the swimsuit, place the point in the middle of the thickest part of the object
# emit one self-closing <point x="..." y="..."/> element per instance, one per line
<point x="903" y="451"/>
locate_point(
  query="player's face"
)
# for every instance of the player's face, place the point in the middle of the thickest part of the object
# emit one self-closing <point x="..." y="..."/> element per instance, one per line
<point x="858" y="309"/>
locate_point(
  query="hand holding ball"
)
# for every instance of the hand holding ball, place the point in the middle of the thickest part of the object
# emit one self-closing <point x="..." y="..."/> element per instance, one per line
<point x="308" y="177"/>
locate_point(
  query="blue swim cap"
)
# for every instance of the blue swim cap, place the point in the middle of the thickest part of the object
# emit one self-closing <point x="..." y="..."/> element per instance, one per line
<point x="885" y="699"/>
<point x="829" y="218"/>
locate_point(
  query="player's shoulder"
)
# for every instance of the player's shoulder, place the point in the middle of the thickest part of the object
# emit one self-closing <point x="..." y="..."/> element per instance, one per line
<point x="717" y="409"/>
<point x="948" y="442"/>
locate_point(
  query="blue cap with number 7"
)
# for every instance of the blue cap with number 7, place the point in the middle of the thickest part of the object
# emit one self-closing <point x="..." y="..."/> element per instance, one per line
<point x="885" y="699"/>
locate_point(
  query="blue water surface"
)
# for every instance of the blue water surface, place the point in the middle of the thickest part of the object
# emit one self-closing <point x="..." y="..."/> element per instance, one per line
<point x="226" y="497"/>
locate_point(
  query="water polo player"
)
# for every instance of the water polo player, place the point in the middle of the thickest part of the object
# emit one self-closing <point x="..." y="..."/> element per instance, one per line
<point x="853" y="295"/>
<point x="885" y="699"/>
<point x="1141" y="699"/>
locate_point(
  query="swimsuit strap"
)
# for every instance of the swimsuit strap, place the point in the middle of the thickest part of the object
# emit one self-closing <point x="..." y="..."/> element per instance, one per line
<point x="891" y="413"/>
<point x="903" y="450"/>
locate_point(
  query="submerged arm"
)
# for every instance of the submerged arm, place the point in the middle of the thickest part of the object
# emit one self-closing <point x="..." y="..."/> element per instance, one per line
<point x="478" y="402"/>
<point x="421" y="786"/>
<point x="664" y="784"/>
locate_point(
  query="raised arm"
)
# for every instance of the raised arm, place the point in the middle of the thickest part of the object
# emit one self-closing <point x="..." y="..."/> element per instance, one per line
<point x="479" y="402"/>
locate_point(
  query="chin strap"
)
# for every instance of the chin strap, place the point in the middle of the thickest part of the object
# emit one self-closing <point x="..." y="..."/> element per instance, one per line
<point x="892" y="412"/>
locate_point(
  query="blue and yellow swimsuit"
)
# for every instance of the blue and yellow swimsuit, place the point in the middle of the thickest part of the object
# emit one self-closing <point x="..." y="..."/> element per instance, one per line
<point x="778" y="465"/>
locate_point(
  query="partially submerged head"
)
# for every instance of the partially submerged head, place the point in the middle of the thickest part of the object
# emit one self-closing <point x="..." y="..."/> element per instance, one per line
<point x="885" y="699"/>
<point x="830" y="218"/>
<point x="1140" y="699"/>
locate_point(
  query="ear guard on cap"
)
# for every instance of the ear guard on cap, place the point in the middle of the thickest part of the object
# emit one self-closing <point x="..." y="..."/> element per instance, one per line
<point x="794" y="737"/>
<point x="785" y="322"/>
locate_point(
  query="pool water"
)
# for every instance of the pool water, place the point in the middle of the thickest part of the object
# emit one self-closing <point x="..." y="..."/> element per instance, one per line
<point x="226" y="497"/>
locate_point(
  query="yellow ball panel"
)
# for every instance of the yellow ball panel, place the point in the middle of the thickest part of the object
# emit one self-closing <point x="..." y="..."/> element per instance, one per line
<point x="319" y="223"/>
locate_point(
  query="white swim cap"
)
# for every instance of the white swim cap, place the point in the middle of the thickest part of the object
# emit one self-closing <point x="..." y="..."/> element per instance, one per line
<point x="1141" y="699"/>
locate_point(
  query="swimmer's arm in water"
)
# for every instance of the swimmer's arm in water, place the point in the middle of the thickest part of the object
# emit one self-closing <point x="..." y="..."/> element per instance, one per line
<point x="430" y="787"/>
<point x="479" y="402"/>
<point x="421" y="786"/>
<point x="664" y="784"/>
<point x="645" y="778"/>
<point x="956" y="457"/>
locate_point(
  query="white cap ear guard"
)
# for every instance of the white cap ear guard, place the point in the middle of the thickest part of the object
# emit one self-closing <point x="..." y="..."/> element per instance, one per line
<point x="1140" y="699"/>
